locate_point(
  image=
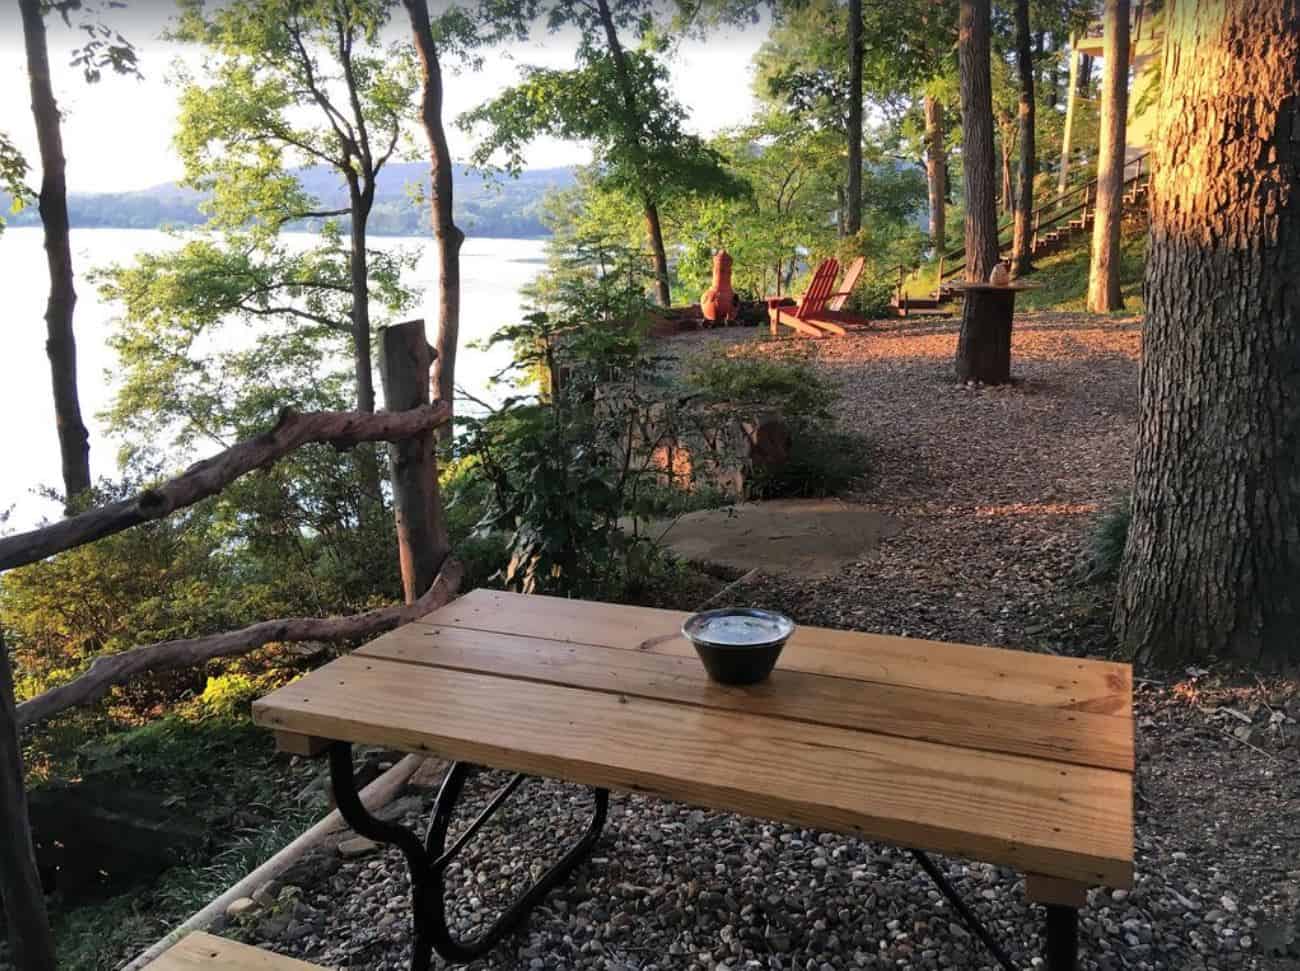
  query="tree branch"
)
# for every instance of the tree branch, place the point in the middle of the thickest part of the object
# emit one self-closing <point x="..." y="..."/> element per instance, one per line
<point x="342" y="429"/>
<point x="321" y="319"/>
<point x="113" y="669"/>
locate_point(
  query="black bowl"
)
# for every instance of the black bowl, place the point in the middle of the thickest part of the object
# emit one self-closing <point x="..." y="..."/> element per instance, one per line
<point x="738" y="645"/>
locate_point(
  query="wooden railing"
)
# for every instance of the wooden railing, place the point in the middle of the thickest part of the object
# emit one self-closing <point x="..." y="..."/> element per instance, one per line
<point x="430" y="578"/>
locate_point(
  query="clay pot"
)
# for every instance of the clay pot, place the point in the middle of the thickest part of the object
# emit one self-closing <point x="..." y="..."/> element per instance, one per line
<point x="719" y="302"/>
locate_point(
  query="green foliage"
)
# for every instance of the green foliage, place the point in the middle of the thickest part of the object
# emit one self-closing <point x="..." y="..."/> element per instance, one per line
<point x="791" y="388"/>
<point x="1062" y="278"/>
<point x="13" y="177"/>
<point x="1109" y="535"/>
<point x="821" y="463"/>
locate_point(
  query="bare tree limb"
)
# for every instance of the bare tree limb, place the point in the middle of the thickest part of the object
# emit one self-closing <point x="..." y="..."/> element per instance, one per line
<point x="342" y="429"/>
<point x="114" y="669"/>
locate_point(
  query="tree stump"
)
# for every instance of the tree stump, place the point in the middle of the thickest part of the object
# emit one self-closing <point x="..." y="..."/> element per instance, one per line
<point x="984" y="348"/>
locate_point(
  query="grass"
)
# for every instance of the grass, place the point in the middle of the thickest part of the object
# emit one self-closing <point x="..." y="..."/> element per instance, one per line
<point x="1062" y="278"/>
<point x="218" y="770"/>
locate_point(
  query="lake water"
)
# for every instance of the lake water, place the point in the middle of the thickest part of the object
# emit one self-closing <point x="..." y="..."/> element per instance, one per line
<point x="492" y="273"/>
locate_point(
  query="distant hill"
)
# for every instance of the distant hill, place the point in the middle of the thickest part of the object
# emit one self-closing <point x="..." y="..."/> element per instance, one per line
<point x="503" y="207"/>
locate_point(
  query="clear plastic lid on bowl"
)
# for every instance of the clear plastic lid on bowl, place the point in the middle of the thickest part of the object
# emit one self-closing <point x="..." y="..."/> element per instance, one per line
<point x="738" y="627"/>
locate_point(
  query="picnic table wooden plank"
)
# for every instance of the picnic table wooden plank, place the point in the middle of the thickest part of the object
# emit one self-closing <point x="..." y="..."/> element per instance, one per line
<point x="1019" y="676"/>
<point x="1050" y="818"/>
<point x="1038" y="731"/>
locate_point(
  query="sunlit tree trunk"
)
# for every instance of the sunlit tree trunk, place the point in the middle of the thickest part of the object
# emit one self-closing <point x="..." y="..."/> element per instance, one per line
<point x="1021" y="257"/>
<point x="936" y="171"/>
<point x="60" y="346"/>
<point x="1007" y="132"/>
<point x="447" y="235"/>
<point x="977" y="139"/>
<point x="1103" y="279"/>
<point x="1212" y="563"/>
<point x="1071" y="96"/>
<point x="853" y="216"/>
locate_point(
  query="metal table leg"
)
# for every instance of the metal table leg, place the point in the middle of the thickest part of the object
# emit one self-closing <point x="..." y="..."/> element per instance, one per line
<point x="1062" y="938"/>
<point x="427" y="861"/>
<point x="967" y="915"/>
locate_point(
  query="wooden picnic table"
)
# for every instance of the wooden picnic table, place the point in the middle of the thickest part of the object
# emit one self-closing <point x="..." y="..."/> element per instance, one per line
<point x="1001" y="756"/>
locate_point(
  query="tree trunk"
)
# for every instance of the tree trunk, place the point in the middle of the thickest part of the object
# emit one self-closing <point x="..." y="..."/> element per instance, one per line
<point x="422" y="542"/>
<point x="977" y="140"/>
<point x="658" y="254"/>
<point x="654" y="231"/>
<point x="1212" y="563"/>
<point x="361" y="201"/>
<point x="446" y="234"/>
<point x="1021" y="256"/>
<point x="1071" y="96"/>
<point x="984" y="346"/>
<point x="367" y="461"/>
<point x="1008" y="133"/>
<point x="1103" y="279"/>
<point x="60" y="346"/>
<point x="936" y="170"/>
<point x="853" y="216"/>
<point x="20" y="885"/>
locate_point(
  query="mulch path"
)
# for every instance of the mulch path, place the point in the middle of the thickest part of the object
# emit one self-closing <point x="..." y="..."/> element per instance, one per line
<point x="995" y="492"/>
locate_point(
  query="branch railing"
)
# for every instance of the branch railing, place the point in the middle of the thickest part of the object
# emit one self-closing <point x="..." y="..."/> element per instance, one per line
<point x="430" y="578"/>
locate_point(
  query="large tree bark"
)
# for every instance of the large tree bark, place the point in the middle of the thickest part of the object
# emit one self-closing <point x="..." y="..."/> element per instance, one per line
<point x="342" y="429"/>
<point x="936" y="173"/>
<point x="623" y="72"/>
<point x="853" y="215"/>
<point x="1212" y="563"/>
<point x="1021" y="257"/>
<point x="977" y="139"/>
<point x="60" y="346"/>
<point x="1103" y="279"/>
<point x="446" y="234"/>
<point x="23" y="900"/>
<point x="1071" y="96"/>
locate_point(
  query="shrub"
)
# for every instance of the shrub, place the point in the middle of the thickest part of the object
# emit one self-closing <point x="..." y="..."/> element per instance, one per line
<point x="1109" y="536"/>
<point x="751" y="380"/>
<point x="821" y="463"/>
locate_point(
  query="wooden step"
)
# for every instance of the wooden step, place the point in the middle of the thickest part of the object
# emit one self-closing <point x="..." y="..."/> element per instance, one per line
<point x="204" y="952"/>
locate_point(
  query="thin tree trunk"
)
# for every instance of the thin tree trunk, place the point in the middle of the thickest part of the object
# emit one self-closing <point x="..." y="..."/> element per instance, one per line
<point x="60" y="346"/>
<point x="23" y="899"/>
<point x="361" y="201"/>
<point x="1021" y="257"/>
<point x="1007" y="142"/>
<point x="936" y="170"/>
<point x="1103" y="279"/>
<point x="853" y="217"/>
<point x="623" y="73"/>
<point x="1212" y="563"/>
<point x="977" y="139"/>
<point x="446" y="234"/>
<point x="655" y="234"/>
<point x="1071" y="96"/>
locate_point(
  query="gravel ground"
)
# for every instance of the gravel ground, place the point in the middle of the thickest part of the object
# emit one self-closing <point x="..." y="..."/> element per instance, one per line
<point x="995" y="491"/>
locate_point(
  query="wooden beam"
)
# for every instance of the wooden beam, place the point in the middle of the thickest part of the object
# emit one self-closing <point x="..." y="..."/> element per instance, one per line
<point x="422" y="540"/>
<point x="20" y="884"/>
<point x="1054" y="890"/>
<point x="308" y="746"/>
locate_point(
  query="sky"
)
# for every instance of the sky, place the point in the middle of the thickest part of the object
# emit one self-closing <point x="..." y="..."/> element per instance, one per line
<point x="117" y="133"/>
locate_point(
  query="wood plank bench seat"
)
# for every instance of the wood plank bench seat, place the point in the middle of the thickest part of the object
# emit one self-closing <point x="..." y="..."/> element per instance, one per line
<point x="1002" y="756"/>
<point x="206" y="952"/>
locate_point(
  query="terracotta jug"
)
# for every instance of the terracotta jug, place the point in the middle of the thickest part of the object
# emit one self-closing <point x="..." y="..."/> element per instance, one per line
<point x="719" y="302"/>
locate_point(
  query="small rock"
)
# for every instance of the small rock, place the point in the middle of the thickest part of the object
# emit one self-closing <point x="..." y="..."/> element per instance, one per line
<point x="357" y="846"/>
<point x="238" y="908"/>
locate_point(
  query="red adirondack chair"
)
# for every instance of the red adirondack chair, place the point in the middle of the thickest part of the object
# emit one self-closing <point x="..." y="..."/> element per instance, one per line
<point x="819" y="312"/>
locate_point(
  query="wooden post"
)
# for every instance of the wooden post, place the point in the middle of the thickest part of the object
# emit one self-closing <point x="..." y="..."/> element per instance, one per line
<point x="984" y="347"/>
<point x="422" y="541"/>
<point x="20" y="884"/>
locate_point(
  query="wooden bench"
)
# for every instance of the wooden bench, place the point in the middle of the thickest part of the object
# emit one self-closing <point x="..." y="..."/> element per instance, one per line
<point x="1007" y="757"/>
<point x="204" y="952"/>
